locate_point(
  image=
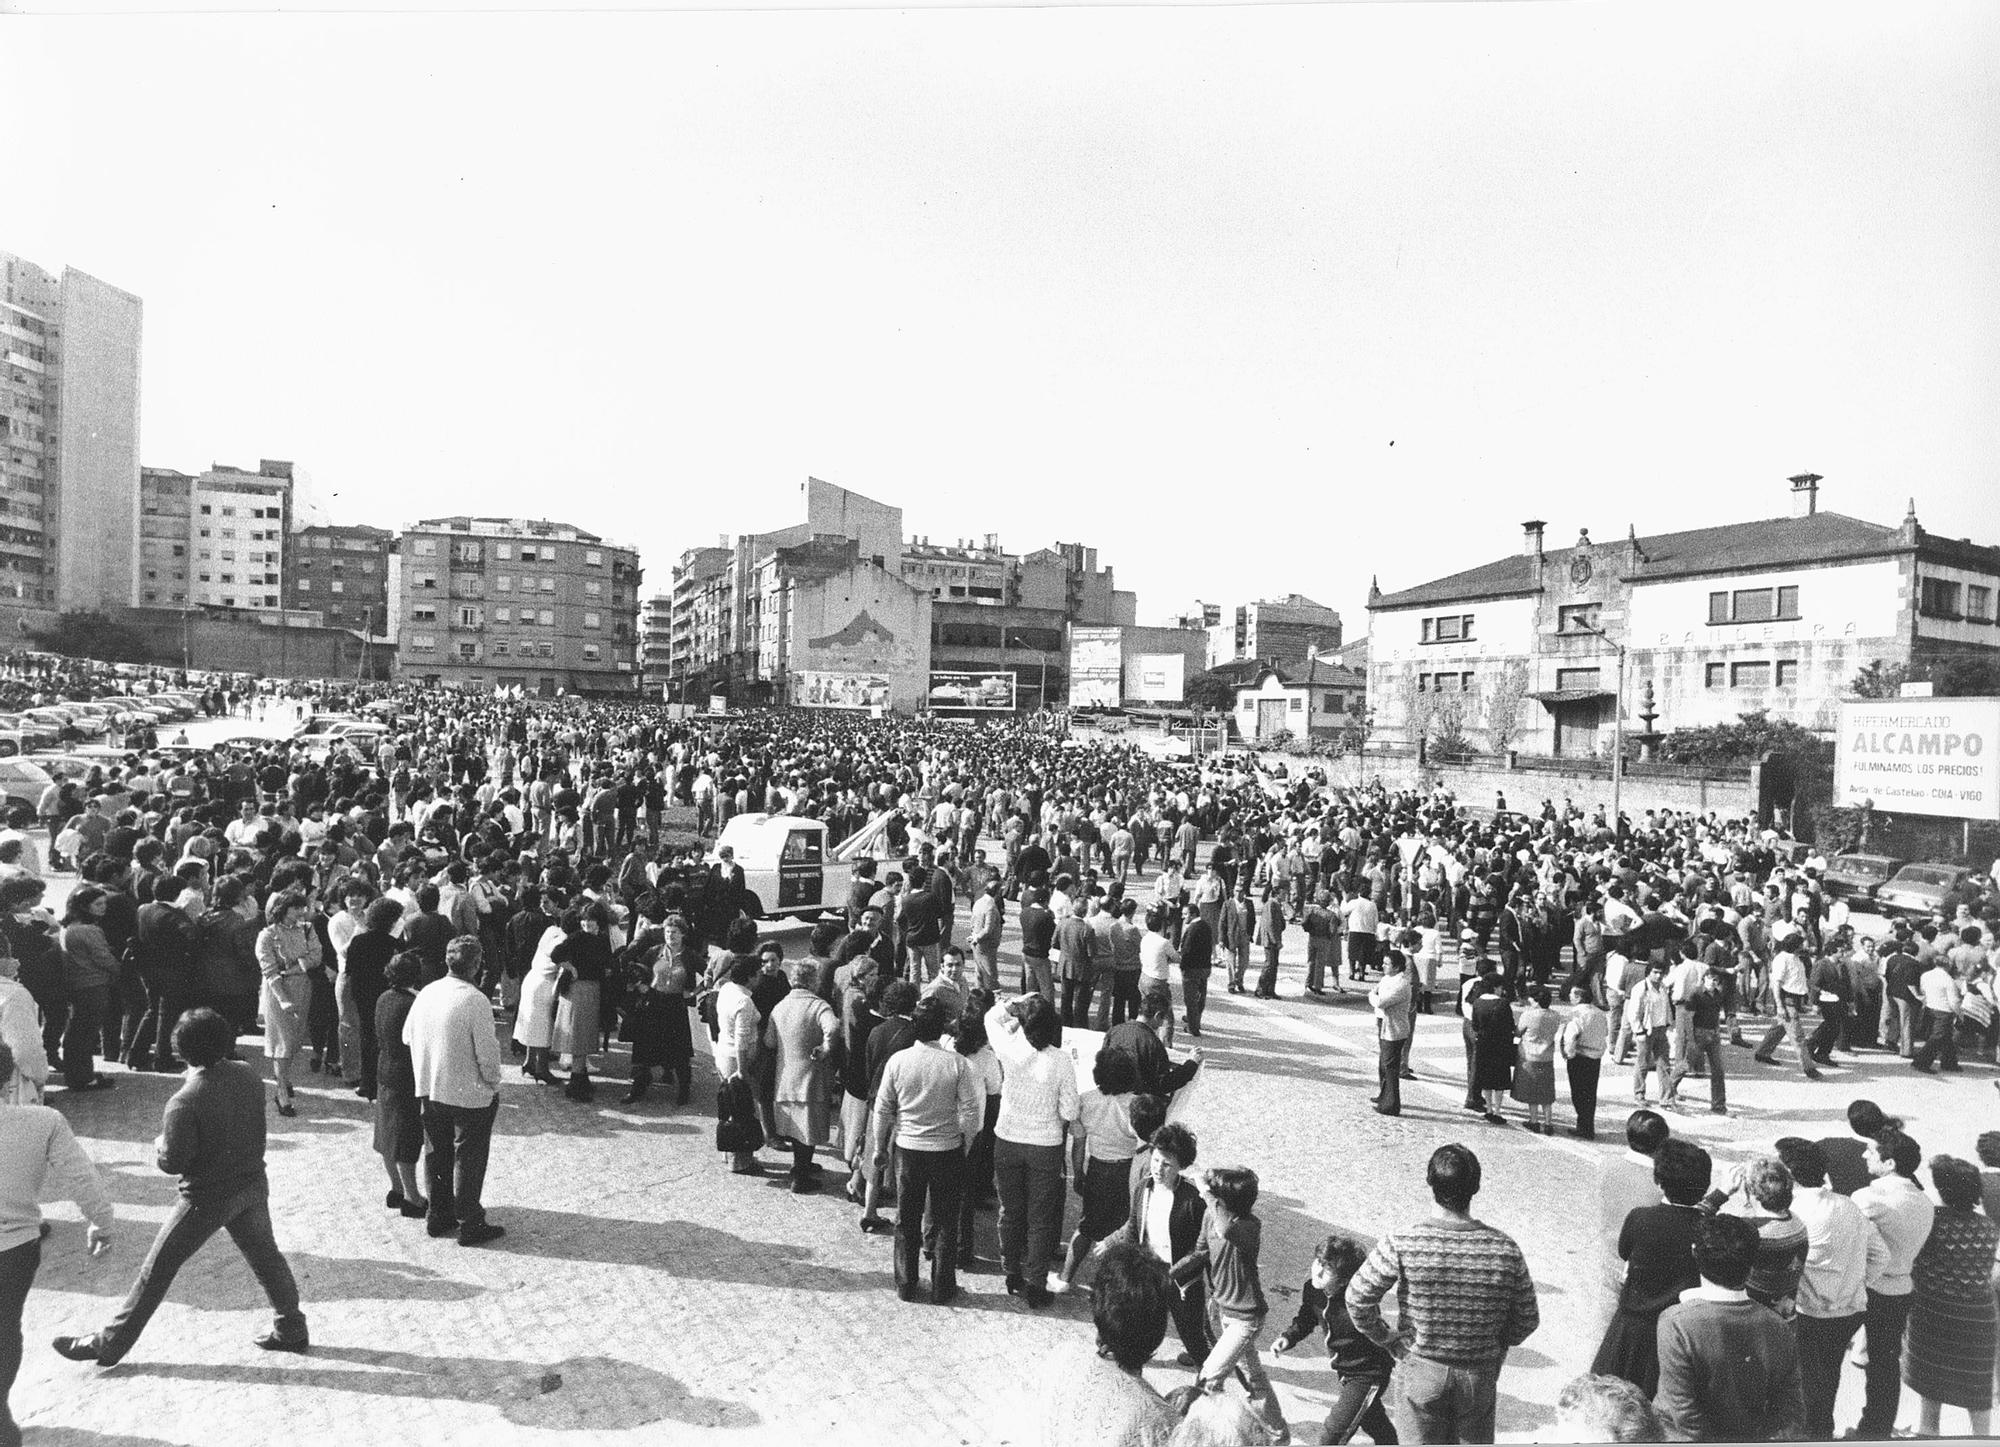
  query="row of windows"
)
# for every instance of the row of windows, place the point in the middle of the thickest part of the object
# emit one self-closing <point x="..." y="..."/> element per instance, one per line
<point x="1331" y="703"/>
<point x="366" y="565"/>
<point x="1448" y="628"/>
<point x="508" y="648"/>
<point x="255" y="535"/>
<point x="468" y="551"/>
<point x="1754" y="673"/>
<point x="267" y="578"/>
<point x="1444" y="683"/>
<point x="209" y="509"/>
<point x="1754" y="605"/>
<point x="1955" y="602"/>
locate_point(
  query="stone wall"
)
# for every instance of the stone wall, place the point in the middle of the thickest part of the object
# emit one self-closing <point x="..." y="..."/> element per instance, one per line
<point x="1644" y="788"/>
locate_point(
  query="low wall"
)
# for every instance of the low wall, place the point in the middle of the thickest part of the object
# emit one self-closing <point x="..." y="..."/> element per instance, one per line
<point x="1732" y="795"/>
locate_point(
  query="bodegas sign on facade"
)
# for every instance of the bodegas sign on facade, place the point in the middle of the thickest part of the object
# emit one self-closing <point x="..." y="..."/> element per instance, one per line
<point x="1935" y="756"/>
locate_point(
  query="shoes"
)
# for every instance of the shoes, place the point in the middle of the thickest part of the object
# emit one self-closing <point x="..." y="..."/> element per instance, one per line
<point x="1931" y="1069"/>
<point x="1583" y="1135"/>
<point x="318" y="1063"/>
<point x="1014" y="1283"/>
<point x="1384" y="1110"/>
<point x="632" y="1097"/>
<point x="755" y="1168"/>
<point x="441" y="1228"/>
<point x="1814" y="1075"/>
<point x="480" y="1234"/>
<point x="366" y="1092"/>
<point x="1762" y="1059"/>
<point x="944" y="1297"/>
<point x="1718" y="1110"/>
<point x="270" y="1341"/>
<point x="1038" y="1298"/>
<point x="416" y="1210"/>
<point x="1493" y="1117"/>
<point x="908" y="1293"/>
<point x="78" y="1348"/>
<point x="394" y="1200"/>
<point x="1187" y="1359"/>
<point x="285" y="1107"/>
<point x="877" y="1225"/>
<point x="1408" y="1074"/>
<point x="804" y="1186"/>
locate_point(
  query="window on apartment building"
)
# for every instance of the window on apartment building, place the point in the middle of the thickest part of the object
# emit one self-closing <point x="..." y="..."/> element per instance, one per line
<point x="228" y="577"/>
<point x="501" y="648"/>
<point x="592" y="558"/>
<point x="471" y="618"/>
<point x="229" y="602"/>
<point x="548" y="618"/>
<point x="305" y="585"/>
<point x="206" y="510"/>
<point x="548" y="583"/>
<point x="503" y="615"/>
<point x="204" y="533"/>
<point x="423" y="642"/>
<point x="1577" y="617"/>
<point x="592" y="653"/>
<point x="1754" y="605"/>
<point x="229" y="533"/>
<point x="1788" y="673"/>
<point x="503" y="551"/>
<point x="592" y="588"/>
<point x="427" y="582"/>
<point x="593" y="620"/>
<point x="468" y="650"/>
<point x="503" y="584"/>
<point x="530" y="555"/>
<point x="229" y="512"/>
<point x="423" y="613"/>
<point x="1447" y="628"/>
<point x="180" y="550"/>
<point x="1333" y="703"/>
<point x="201" y="578"/>
<point x="1938" y="598"/>
<point x="1297" y="705"/>
<point x="1978" y="603"/>
<point x="1579" y="678"/>
<point x="271" y="600"/>
<point x="1750" y="675"/>
<point x="424" y="547"/>
<point x="368" y="565"/>
<point x="336" y="586"/>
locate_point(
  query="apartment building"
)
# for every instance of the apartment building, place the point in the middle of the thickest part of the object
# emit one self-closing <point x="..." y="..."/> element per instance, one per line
<point x="341" y="572"/>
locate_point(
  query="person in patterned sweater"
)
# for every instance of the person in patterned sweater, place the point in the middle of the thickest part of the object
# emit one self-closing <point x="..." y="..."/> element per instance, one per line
<point x="1466" y="1298"/>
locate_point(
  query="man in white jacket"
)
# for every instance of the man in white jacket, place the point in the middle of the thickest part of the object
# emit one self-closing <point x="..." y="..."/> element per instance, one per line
<point x="456" y="1057"/>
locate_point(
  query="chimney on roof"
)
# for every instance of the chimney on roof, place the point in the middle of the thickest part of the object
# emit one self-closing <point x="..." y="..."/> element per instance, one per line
<point x="1805" y="494"/>
<point x="1531" y="537"/>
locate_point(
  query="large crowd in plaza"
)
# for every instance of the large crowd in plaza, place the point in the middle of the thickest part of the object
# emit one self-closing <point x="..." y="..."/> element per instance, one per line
<point x="499" y="884"/>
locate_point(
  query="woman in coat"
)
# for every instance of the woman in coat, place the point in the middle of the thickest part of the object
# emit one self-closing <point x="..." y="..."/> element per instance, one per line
<point x="369" y="952"/>
<point x="399" y="1125"/>
<point x="1948" y="1354"/>
<point x="92" y="976"/>
<point x="226" y="965"/>
<point x="1492" y="1022"/>
<point x="584" y="957"/>
<point x="656" y="1021"/>
<point x="798" y="1034"/>
<point x="285" y="947"/>
<point x="535" y="1020"/>
<point x="1535" y="1074"/>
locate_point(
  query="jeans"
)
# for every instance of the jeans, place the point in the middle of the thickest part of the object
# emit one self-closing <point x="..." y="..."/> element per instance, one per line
<point x="87" y="1004"/>
<point x="1194" y="997"/>
<point x="1389" y="1074"/>
<point x="1433" y="1402"/>
<point x="1030" y="1182"/>
<point x="1235" y="1350"/>
<point x="1651" y="1053"/>
<point x="1703" y="1047"/>
<point x="457" y="1140"/>
<point x="1787" y="1024"/>
<point x="1822" y="1349"/>
<point x="1357" y="1402"/>
<point x="246" y="1216"/>
<point x="167" y="999"/>
<point x="17" y="1274"/>
<point x="924" y="961"/>
<point x="933" y="1179"/>
<point x="1360" y="956"/>
<point x="1884" y="1323"/>
<point x="1899" y="1025"/>
<point x="1189" y="1305"/>
<point x="978" y="1179"/>
<point x="1583" y="1073"/>
<point x="1940" y="1045"/>
<point x="1038" y="976"/>
<point x="1827" y="1033"/>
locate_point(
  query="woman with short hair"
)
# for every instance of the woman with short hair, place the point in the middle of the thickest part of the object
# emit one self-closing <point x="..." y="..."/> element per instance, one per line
<point x="285" y="947"/>
<point x="1948" y="1352"/>
<point x="399" y="1125"/>
<point x="797" y="1036"/>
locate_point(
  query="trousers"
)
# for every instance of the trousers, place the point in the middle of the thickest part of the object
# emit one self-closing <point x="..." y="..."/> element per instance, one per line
<point x="1030" y="1183"/>
<point x="458" y="1140"/>
<point x="1434" y="1402"/>
<point x="1822" y="1349"/>
<point x="932" y="1179"/>
<point x="1194" y="997"/>
<point x="1389" y="1074"/>
<point x="17" y="1274"/>
<point x="1883" y="1324"/>
<point x="246" y="1216"/>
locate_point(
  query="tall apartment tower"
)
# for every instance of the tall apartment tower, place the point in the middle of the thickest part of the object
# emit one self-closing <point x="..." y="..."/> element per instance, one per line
<point x="69" y="443"/>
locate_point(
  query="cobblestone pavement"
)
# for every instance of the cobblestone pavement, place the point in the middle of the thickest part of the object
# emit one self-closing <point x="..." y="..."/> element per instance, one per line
<point x="643" y="1294"/>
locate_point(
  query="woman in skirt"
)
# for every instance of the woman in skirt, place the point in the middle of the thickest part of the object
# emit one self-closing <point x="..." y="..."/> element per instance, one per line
<point x="1101" y="1154"/>
<point x="399" y="1125"/>
<point x="285" y="947"/>
<point x="1948" y="1354"/>
<point x="584" y="958"/>
<point x="1492" y="1021"/>
<point x="1535" y="1071"/>
<point x="656" y="1020"/>
<point x="535" y="1017"/>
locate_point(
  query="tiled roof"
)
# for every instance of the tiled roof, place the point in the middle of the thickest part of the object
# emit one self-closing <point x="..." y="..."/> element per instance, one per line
<point x="1733" y="548"/>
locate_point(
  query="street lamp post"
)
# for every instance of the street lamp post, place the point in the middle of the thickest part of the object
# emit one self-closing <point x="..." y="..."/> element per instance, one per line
<point x="1617" y="727"/>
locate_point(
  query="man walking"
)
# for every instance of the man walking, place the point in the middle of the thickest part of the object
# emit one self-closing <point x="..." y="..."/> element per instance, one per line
<point x="1466" y="1297"/>
<point x="1390" y="999"/>
<point x="212" y="1137"/>
<point x="456" y="1058"/>
<point x="931" y="1107"/>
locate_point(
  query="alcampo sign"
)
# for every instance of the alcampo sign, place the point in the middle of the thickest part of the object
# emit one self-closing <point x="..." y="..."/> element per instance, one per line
<point x="1934" y="756"/>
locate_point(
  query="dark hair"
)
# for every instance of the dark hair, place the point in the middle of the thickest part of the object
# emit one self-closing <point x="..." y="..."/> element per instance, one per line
<point x="382" y="915"/>
<point x="1725" y="1248"/>
<point x="1646" y="1131"/>
<point x="1682" y="1170"/>
<point x="826" y="936"/>
<point x="1342" y="1255"/>
<point x="1957" y="1183"/>
<point x="1041" y="1027"/>
<point x="1540" y="995"/>
<point x="929" y="1019"/>
<point x="1453" y="1176"/>
<point x="283" y="903"/>
<point x="167" y="888"/>
<point x="1898" y="1150"/>
<point x="78" y="908"/>
<point x="202" y="1037"/>
<point x="1173" y="1139"/>
<point x="1114" y="1072"/>
<point x="427" y="898"/>
<point x="1129" y="1302"/>
<point x="899" y="997"/>
<point x="1147" y="1114"/>
<point x="1234" y="1189"/>
<point x="1804" y="1159"/>
<point x="405" y="970"/>
<point x="1988" y="1146"/>
<point x="1865" y="1118"/>
<point x="6" y="1061"/>
<point x="969" y="1035"/>
<point x="741" y="937"/>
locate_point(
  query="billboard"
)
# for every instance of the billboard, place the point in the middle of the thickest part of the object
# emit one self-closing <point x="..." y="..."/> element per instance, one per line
<point x="1934" y="756"/>
<point x="1096" y="667"/>
<point x="994" y="690"/>
<point x="842" y="690"/>
<point x="1156" y="677"/>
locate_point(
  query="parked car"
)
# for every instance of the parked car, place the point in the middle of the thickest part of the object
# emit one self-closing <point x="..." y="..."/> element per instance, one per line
<point x="65" y="718"/>
<point x="22" y="782"/>
<point x="34" y="733"/>
<point x="1919" y="890"/>
<point x="1856" y="877"/>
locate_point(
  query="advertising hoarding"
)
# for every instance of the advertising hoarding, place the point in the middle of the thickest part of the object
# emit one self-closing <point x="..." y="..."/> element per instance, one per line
<point x="1156" y="677"/>
<point x="842" y="690"/>
<point x="1096" y="667"/>
<point x="1933" y="756"/>
<point x="992" y="691"/>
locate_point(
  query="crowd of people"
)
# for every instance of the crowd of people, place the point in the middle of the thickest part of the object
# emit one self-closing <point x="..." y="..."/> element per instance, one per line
<point x="381" y="911"/>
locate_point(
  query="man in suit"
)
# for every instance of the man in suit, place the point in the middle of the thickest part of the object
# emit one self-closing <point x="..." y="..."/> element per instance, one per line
<point x="1167" y="1217"/>
<point x="1197" y="959"/>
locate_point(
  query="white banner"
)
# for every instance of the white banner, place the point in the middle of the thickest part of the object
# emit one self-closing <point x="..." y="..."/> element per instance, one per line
<point x="1934" y="756"/>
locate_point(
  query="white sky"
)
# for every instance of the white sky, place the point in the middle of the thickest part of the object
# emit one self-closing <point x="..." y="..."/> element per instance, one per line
<point x="1254" y="300"/>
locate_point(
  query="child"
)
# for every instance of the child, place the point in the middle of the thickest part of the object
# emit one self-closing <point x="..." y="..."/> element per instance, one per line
<point x="1359" y="1366"/>
<point x="1227" y="1253"/>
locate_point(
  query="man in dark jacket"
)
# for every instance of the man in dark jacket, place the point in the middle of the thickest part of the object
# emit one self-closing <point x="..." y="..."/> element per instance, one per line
<point x="1831" y="991"/>
<point x="1197" y="959"/>
<point x="163" y="949"/>
<point x="920" y="925"/>
<point x="428" y="932"/>
<point x="1140" y="1039"/>
<point x="1729" y="1367"/>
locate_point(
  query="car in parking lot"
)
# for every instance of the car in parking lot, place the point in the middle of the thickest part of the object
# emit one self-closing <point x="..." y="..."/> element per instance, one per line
<point x="34" y="733"/>
<point x="22" y="782"/>
<point x="1856" y="877"/>
<point x="1919" y="890"/>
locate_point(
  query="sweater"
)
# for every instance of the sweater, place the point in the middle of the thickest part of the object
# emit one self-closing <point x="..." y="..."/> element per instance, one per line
<point x="1729" y="1372"/>
<point x="1463" y="1288"/>
<point x="41" y="1161"/>
<point x="212" y="1135"/>
<point x="1227" y="1253"/>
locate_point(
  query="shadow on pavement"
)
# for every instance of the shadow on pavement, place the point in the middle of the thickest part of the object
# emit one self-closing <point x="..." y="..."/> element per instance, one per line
<point x="36" y="1436"/>
<point x="679" y="1248"/>
<point x="594" y="1394"/>
<point x="219" y="1279"/>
